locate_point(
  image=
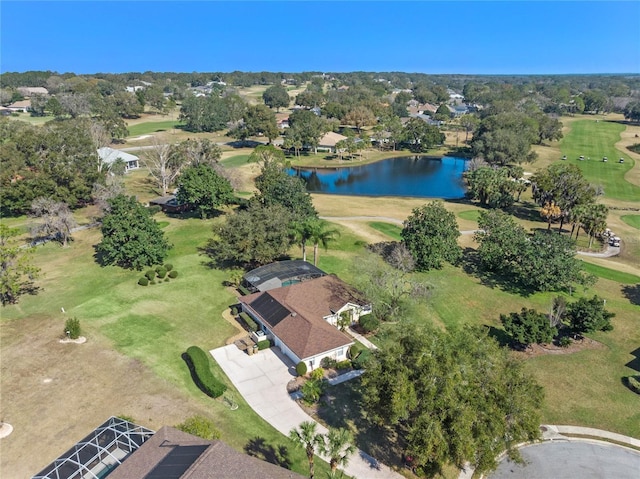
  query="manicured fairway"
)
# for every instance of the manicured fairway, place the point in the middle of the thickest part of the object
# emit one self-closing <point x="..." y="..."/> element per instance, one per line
<point x="152" y="127"/>
<point x="391" y="230"/>
<point x="595" y="140"/>
<point x="632" y="220"/>
<point x="612" y="274"/>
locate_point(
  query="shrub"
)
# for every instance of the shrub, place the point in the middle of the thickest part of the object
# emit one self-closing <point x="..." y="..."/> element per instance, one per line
<point x="328" y="363"/>
<point x="251" y="324"/>
<point x="173" y="274"/>
<point x="168" y="266"/>
<point x="264" y="344"/>
<point x="311" y="390"/>
<point x="234" y="310"/>
<point x="354" y="350"/>
<point x="152" y="282"/>
<point x="301" y="368"/>
<point x="199" y="361"/>
<point x="588" y="315"/>
<point x="166" y="280"/>
<point x="317" y="374"/>
<point x="200" y="426"/>
<point x="150" y="274"/>
<point x="161" y="273"/>
<point x="634" y="383"/>
<point x="369" y="323"/>
<point x="143" y="281"/>
<point x="528" y="327"/>
<point x="243" y="291"/>
<point x="72" y="328"/>
<point x="346" y="364"/>
<point x="564" y="341"/>
<point x="362" y="360"/>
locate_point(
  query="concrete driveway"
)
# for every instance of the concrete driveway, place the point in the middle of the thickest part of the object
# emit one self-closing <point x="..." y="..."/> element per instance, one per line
<point x="262" y="380"/>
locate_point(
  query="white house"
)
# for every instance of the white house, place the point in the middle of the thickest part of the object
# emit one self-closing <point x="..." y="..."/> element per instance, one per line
<point x="109" y="156"/>
<point x="302" y="319"/>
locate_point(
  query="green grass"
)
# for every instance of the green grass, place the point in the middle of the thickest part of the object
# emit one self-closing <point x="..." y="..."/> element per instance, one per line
<point x="152" y="127"/>
<point x="471" y="215"/>
<point x="632" y="220"/>
<point x="595" y="141"/>
<point x="235" y="161"/>
<point x="391" y="230"/>
<point x="611" y="274"/>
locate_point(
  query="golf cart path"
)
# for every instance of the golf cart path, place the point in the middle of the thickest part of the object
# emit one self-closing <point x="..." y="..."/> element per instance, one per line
<point x="608" y="253"/>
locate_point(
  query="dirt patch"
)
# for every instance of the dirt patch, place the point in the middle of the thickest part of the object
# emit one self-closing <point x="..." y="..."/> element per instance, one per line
<point x="54" y="394"/>
<point x="575" y="346"/>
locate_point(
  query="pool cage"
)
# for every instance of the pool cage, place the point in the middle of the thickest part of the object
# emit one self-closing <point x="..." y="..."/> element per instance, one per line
<point x="99" y="453"/>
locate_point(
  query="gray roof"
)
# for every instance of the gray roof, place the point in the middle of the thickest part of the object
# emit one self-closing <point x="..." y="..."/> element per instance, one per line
<point x="273" y="275"/>
<point x="109" y="155"/>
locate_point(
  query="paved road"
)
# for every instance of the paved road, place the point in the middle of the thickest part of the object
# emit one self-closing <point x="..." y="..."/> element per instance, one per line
<point x="572" y="460"/>
<point x="262" y="380"/>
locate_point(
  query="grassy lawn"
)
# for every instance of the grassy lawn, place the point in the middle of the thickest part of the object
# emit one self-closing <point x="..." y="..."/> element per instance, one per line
<point x="235" y="161"/>
<point x="611" y="274"/>
<point x="151" y="325"/>
<point x="470" y="215"/>
<point x="632" y="220"/>
<point x="152" y="127"/>
<point x="389" y="229"/>
<point x="595" y="140"/>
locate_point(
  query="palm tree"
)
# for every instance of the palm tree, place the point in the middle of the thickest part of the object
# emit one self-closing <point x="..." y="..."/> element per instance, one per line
<point x="300" y="233"/>
<point x="320" y="234"/>
<point x="306" y="436"/>
<point x="339" y="446"/>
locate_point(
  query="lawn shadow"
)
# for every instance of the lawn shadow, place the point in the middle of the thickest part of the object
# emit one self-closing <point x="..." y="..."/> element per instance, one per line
<point x="341" y="407"/>
<point x="499" y="335"/>
<point x="632" y="293"/>
<point x="471" y="265"/>
<point x="278" y="455"/>
<point x="194" y="377"/>
<point x="526" y="210"/>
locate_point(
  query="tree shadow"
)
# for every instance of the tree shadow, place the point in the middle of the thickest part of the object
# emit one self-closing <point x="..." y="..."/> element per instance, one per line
<point x="632" y="293"/>
<point x="472" y="265"/>
<point x="526" y="210"/>
<point x="341" y="407"/>
<point x="278" y="455"/>
<point x="500" y="336"/>
<point x="634" y="363"/>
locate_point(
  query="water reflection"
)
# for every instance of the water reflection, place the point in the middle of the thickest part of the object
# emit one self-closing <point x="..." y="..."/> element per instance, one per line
<point x="418" y="176"/>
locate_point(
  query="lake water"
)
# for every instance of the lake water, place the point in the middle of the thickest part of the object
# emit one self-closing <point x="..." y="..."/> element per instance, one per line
<point x="417" y="176"/>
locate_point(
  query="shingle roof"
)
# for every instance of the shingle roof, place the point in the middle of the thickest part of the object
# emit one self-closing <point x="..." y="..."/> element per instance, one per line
<point x="173" y="454"/>
<point x="330" y="139"/>
<point x="304" y="330"/>
<point x="109" y="155"/>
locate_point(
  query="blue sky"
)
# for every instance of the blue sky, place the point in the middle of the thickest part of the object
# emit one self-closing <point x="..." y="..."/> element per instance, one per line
<point x="480" y="37"/>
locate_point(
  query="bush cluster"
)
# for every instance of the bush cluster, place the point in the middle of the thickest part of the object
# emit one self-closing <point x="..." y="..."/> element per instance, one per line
<point x="251" y="324"/>
<point x="328" y="363"/>
<point x="207" y="381"/>
<point x="160" y="272"/>
<point x="634" y="383"/>
<point x="346" y="364"/>
<point x="369" y="323"/>
<point x="317" y="374"/>
<point x="264" y="344"/>
<point x="200" y="426"/>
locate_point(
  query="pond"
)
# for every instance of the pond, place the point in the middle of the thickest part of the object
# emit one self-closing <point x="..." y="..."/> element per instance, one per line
<point x="417" y="176"/>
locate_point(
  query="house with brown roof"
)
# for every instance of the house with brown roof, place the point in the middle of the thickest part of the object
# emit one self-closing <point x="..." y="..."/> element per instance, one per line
<point x="173" y="454"/>
<point x="302" y="319"/>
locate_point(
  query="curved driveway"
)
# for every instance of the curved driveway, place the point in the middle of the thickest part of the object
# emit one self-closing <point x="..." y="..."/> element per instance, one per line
<point x="262" y="380"/>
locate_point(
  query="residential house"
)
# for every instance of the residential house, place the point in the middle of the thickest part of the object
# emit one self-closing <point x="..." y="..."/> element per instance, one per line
<point x="123" y="450"/>
<point x="329" y="140"/>
<point x="109" y="156"/>
<point x="20" y="106"/>
<point x="303" y="319"/>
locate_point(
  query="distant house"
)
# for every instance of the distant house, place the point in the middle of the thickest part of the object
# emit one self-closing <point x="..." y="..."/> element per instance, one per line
<point x="169" y="204"/>
<point x="20" y="106"/>
<point x="329" y="140"/>
<point x="109" y="156"/>
<point x="302" y="319"/>
<point x="28" y="91"/>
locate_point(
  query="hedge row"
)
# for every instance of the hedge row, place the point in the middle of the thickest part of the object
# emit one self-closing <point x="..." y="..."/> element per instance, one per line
<point x="251" y="324"/>
<point x="264" y="344"/>
<point x="208" y="382"/>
